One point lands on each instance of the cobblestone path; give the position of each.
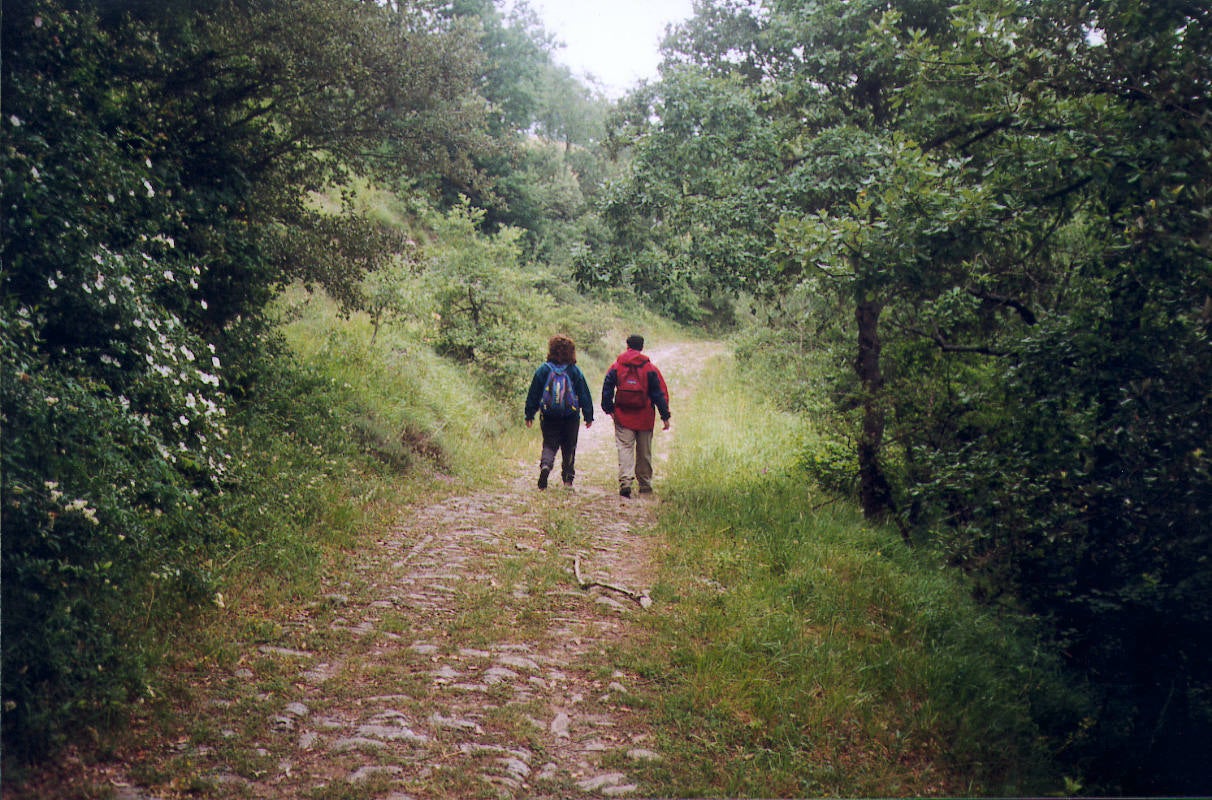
(466, 657)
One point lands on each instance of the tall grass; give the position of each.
(343, 433)
(800, 651)
(404, 404)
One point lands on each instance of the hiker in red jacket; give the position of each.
(633, 393)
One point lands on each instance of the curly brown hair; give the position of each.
(561, 350)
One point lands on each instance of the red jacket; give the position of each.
(643, 419)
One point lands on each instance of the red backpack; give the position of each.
(631, 392)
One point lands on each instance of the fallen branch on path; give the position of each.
(642, 598)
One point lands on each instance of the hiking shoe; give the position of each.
(568, 482)
(625, 491)
(645, 490)
(543, 478)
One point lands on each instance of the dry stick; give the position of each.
(643, 599)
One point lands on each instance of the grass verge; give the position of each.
(798, 651)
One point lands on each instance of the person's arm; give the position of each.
(584, 397)
(659, 394)
(608, 384)
(535, 395)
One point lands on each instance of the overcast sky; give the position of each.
(617, 41)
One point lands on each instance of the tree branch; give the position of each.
(978, 132)
(1027, 315)
(946, 347)
(642, 598)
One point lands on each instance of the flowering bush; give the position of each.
(159, 164)
(113, 412)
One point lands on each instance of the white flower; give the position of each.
(147, 185)
(51, 283)
(15, 121)
(214, 360)
(184, 420)
(168, 275)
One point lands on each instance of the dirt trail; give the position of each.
(464, 660)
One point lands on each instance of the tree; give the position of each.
(1086, 496)
(482, 301)
(158, 181)
(1010, 203)
(535, 103)
(761, 117)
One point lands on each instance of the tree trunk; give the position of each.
(875, 493)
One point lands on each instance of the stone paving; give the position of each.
(527, 717)
(462, 658)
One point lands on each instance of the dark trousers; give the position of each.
(560, 433)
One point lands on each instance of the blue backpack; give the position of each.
(559, 395)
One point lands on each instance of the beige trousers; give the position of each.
(635, 457)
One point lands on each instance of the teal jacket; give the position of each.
(535, 396)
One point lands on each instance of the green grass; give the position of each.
(799, 651)
(792, 650)
(404, 404)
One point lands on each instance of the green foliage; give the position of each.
(799, 651)
(398, 399)
(832, 466)
(113, 411)
(1012, 202)
(1084, 493)
(545, 198)
(518, 54)
(548, 124)
(481, 299)
(682, 223)
(158, 176)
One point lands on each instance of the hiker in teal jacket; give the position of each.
(560, 417)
